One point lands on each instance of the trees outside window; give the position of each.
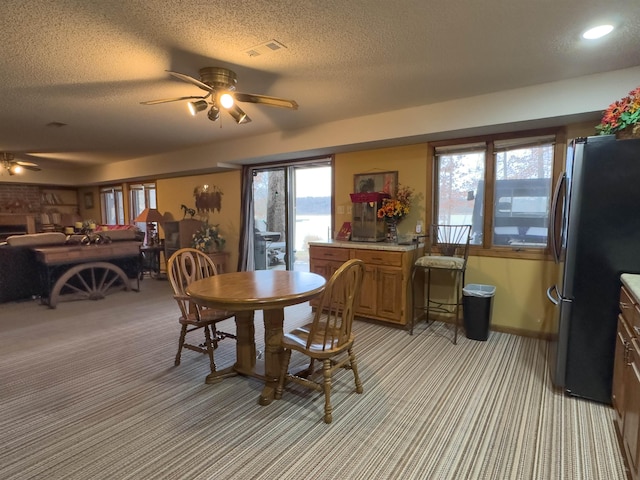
(513, 176)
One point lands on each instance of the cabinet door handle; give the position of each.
(624, 305)
(636, 330)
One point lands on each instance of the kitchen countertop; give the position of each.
(632, 282)
(368, 245)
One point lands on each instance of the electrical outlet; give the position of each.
(340, 210)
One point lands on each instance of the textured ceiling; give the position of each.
(88, 64)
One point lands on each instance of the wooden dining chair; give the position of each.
(184, 267)
(329, 337)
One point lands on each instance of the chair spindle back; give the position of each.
(333, 318)
(186, 266)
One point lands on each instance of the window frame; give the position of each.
(486, 249)
(150, 201)
(118, 200)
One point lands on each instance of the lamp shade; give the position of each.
(149, 215)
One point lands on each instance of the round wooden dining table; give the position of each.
(245, 292)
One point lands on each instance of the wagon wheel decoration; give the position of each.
(88, 281)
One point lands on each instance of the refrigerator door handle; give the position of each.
(554, 218)
(552, 295)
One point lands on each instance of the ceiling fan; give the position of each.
(220, 85)
(14, 166)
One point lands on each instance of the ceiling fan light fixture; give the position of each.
(199, 106)
(220, 85)
(226, 100)
(15, 169)
(214, 113)
(238, 115)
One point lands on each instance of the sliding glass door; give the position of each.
(292, 206)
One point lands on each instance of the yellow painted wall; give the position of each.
(409, 161)
(89, 213)
(520, 304)
(173, 192)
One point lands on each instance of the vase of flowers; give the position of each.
(622, 117)
(208, 239)
(393, 210)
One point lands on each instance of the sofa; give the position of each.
(20, 271)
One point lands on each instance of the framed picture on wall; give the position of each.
(88, 200)
(386, 182)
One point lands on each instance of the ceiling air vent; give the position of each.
(264, 48)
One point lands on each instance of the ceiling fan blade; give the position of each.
(25, 164)
(188, 79)
(29, 166)
(238, 114)
(265, 100)
(166, 100)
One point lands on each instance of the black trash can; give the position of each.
(477, 305)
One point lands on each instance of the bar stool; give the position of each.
(448, 251)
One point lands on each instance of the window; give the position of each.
(141, 197)
(111, 200)
(460, 169)
(291, 207)
(513, 175)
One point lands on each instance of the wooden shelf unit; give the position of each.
(179, 234)
(63, 199)
(58, 208)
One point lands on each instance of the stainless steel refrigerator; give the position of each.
(595, 236)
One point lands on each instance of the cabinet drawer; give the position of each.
(629, 308)
(330, 253)
(377, 257)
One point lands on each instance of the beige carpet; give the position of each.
(89, 391)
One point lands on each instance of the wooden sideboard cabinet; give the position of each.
(326, 260)
(626, 380)
(385, 295)
(179, 234)
(220, 260)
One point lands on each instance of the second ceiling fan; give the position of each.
(13, 166)
(220, 85)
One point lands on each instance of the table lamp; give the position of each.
(150, 216)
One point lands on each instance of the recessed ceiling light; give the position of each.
(597, 32)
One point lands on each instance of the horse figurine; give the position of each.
(188, 210)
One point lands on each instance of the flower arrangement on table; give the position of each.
(622, 115)
(395, 209)
(208, 239)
